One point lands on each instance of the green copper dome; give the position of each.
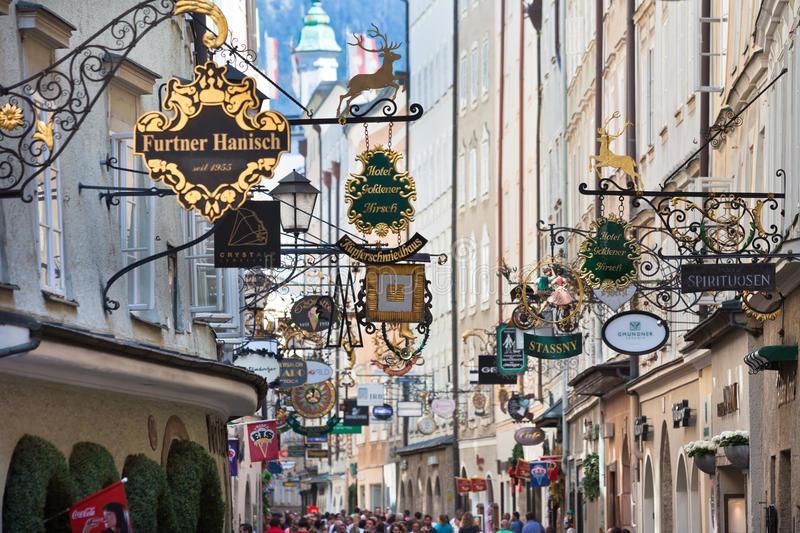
(317, 34)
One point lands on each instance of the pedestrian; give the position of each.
(531, 525)
(443, 525)
(245, 528)
(274, 525)
(516, 523)
(456, 521)
(504, 526)
(415, 527)
(397, 528)
(614, 529)
(468, 524)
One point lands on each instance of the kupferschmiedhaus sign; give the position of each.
(216, 146)
(379, 196)
(609, 258)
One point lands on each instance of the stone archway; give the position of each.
(649, 505)
(625, 497)
(665, 478)
(437, 496)
(681, 497)
(429, 498)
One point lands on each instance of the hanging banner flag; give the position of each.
(262, 438)
(249, 237)
(477, 484)
(216, 146)
(539, 474)
(523, 469)
(106, 510)
(553, 347)
(463, 485)
(233, 457)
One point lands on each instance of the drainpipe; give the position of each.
(521, 150)
(630, 111)
(453, 263)
(500, 157)
(705, 81)
(565, 199)
(597, 356)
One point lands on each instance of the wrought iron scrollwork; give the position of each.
(727, 122)
(55, 102)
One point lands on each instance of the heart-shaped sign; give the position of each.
(615, 299)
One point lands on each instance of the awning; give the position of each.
(550, 418)
(601, 379)
(769, 357)
(426, 445)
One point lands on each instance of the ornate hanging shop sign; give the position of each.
(519, 406)
(488, 373)
(313, 313)
(318, 371)
(609, 259)
(635, 332)
(379, 196)
(294, 373)
(216, 146)
(728, 277)
(530, 436)
(511, 359)
(553, 346)
(395, 293)
(314, 400)
(381, 256)
(307, 431)
(250, 237)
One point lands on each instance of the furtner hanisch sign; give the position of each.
(728, 277)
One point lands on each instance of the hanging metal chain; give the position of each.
(389, 142)
(621, 209)
(366, 136)
(602, 202)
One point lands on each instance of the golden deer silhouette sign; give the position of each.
(608, 159)
(383, 77)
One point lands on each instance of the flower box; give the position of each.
(706, 463)
(738, 455)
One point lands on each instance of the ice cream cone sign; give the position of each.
(262, 438)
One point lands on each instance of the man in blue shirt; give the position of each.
(531, 525)
(516, 523)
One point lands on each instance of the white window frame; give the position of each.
(485, 162)
(462, 82)
(474, 86)
(52, 226)
(473, 172)
(141, 281)
(485, 71)
(462, 177)
(472, 285)
(485, 267)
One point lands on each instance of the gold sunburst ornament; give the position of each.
(11, 117)
(206, 7)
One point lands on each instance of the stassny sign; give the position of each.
(553, 347)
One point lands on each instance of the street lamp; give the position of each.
(297, 197)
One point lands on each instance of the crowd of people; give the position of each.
(364, 521)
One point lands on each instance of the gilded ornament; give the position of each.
(608, 159)
(206, 7)
(44, 133)
(11, 117)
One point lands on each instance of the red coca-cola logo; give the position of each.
(83, 513)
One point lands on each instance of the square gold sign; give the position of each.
(395, 293)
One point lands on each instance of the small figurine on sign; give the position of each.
(561, 296)
(383, 77)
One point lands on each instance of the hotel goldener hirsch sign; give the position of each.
(610, 257)
(216, 145)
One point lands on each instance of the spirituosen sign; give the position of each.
(727, 277)
(610, 257)
(249, 237)
(379, 196)
(381, 256)
(216, 146)
(635, 332)
(510, 358)
(553, 347)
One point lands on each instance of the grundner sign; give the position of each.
(729, 277)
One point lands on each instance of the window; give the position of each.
(473, 272)
(462, 82)
(650, 106)
(474, 79)
(485, 162)
(49, 214)
(136, 223)
(486, 267)
(461, 184)
(485, 67)
(207, 284)
(473, 173)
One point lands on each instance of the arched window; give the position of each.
(473, 171)
(694, 501)
(485, 267)
(649, 507)
(665, 475)
(472, 289)
(485, 161)
(681, 497)
(461, 179)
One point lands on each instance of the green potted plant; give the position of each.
(704, 453)
(736, 445)
(591, 476)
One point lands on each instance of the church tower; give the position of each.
(315, 54)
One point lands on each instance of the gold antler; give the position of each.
(206, 7)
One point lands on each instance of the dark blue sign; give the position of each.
(274, 467)
(539, 477)
(233, 457)
(382, 412)
(318, 439)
